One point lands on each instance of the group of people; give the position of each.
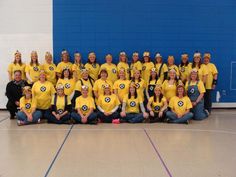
(143, 91)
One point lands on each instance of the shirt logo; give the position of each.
(94, 65)
(60, 111)
(67, 85)
(182, 69)
(107, 99)
(27, 105)
(122, 86)
(151, 88)
(180, 103)
(157, 108)
(51, 68)
(137, 85)
(132, 103)
(144, 68)
(114, 70)
(192, 90)
(84, 107)
(35, 68)
(43, 89)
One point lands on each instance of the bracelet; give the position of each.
(214, 82)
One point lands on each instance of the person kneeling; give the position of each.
(180, 106)
(130, 107)
(60, 107)
(28, 113)
(157, 104)
(107, 106)
(84, 106)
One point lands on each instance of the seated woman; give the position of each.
(28, 113)
(132, 103)
(195, 90)
(180, 106)
(157, 104)
(107, 105)
(60, 107)
(85, 107)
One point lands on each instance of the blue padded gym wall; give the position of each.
(166, 26)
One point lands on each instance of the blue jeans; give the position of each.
(52, 119)
(22, 117)
(133, 117)
(199, 112)
(107, 119)
(174, 119)
(91, 118)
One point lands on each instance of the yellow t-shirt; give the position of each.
(154, 82)
(202, 71)
(50, 70)
(108, 102)
(78, 86)
(84, 104)
(140, 87)
(212, 70)
(93, 70)
(157, 106)
(60, 103)
(175, 68)
(111, 70)
(43, 92)
(184, 72)
(163, 70)
(14, 67)
(146, 70)
(200, 86)
(180, 105)
(132, 104)
(63, 65)
(122, 87)
(125, 66)
(69, 85)
(99, 86)
(168, 90)
(135, 66)
(33, 71)
(27, 104)
(77, 69)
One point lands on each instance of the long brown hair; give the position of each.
(20, 62)
(31, 61)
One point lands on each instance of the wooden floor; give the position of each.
(200, 149)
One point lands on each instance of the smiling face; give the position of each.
(107, 91)
(184, 59)
(135, 58)
(34, 57)
(77, 58)
(109, 59)
(42, 77)
(122, 58)
(146, 59)
(158, 59)
(171, 61)
(172, 74)
(103, 75)
(48, 59)
(84, 92)
(193, 76)
(60, 92)
(206, 60)
(132, 90)
(65, 57)
(17, 76)
(157, 92)
(137, 74)
(66, 73)
(153, 74)
(18, 58)
(92, 57)
(180, 91)
(85, 75)
(197, 59)
(122, 74)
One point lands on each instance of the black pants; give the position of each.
(12, 108)
(108, 119)
(156, 118)
(207, 100)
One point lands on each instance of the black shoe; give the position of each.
(12, 117)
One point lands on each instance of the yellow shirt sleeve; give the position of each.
(188, 102)
(201, 87)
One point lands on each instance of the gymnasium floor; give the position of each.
(200, 149)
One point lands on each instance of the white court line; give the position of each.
(133, 129)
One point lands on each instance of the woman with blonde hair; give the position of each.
(28, 113)
(110, 67)
(123, 63)
(16, 65)
(50, 68)
(77, 66)
(32, 69)
(92, 66)
(147, 66)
